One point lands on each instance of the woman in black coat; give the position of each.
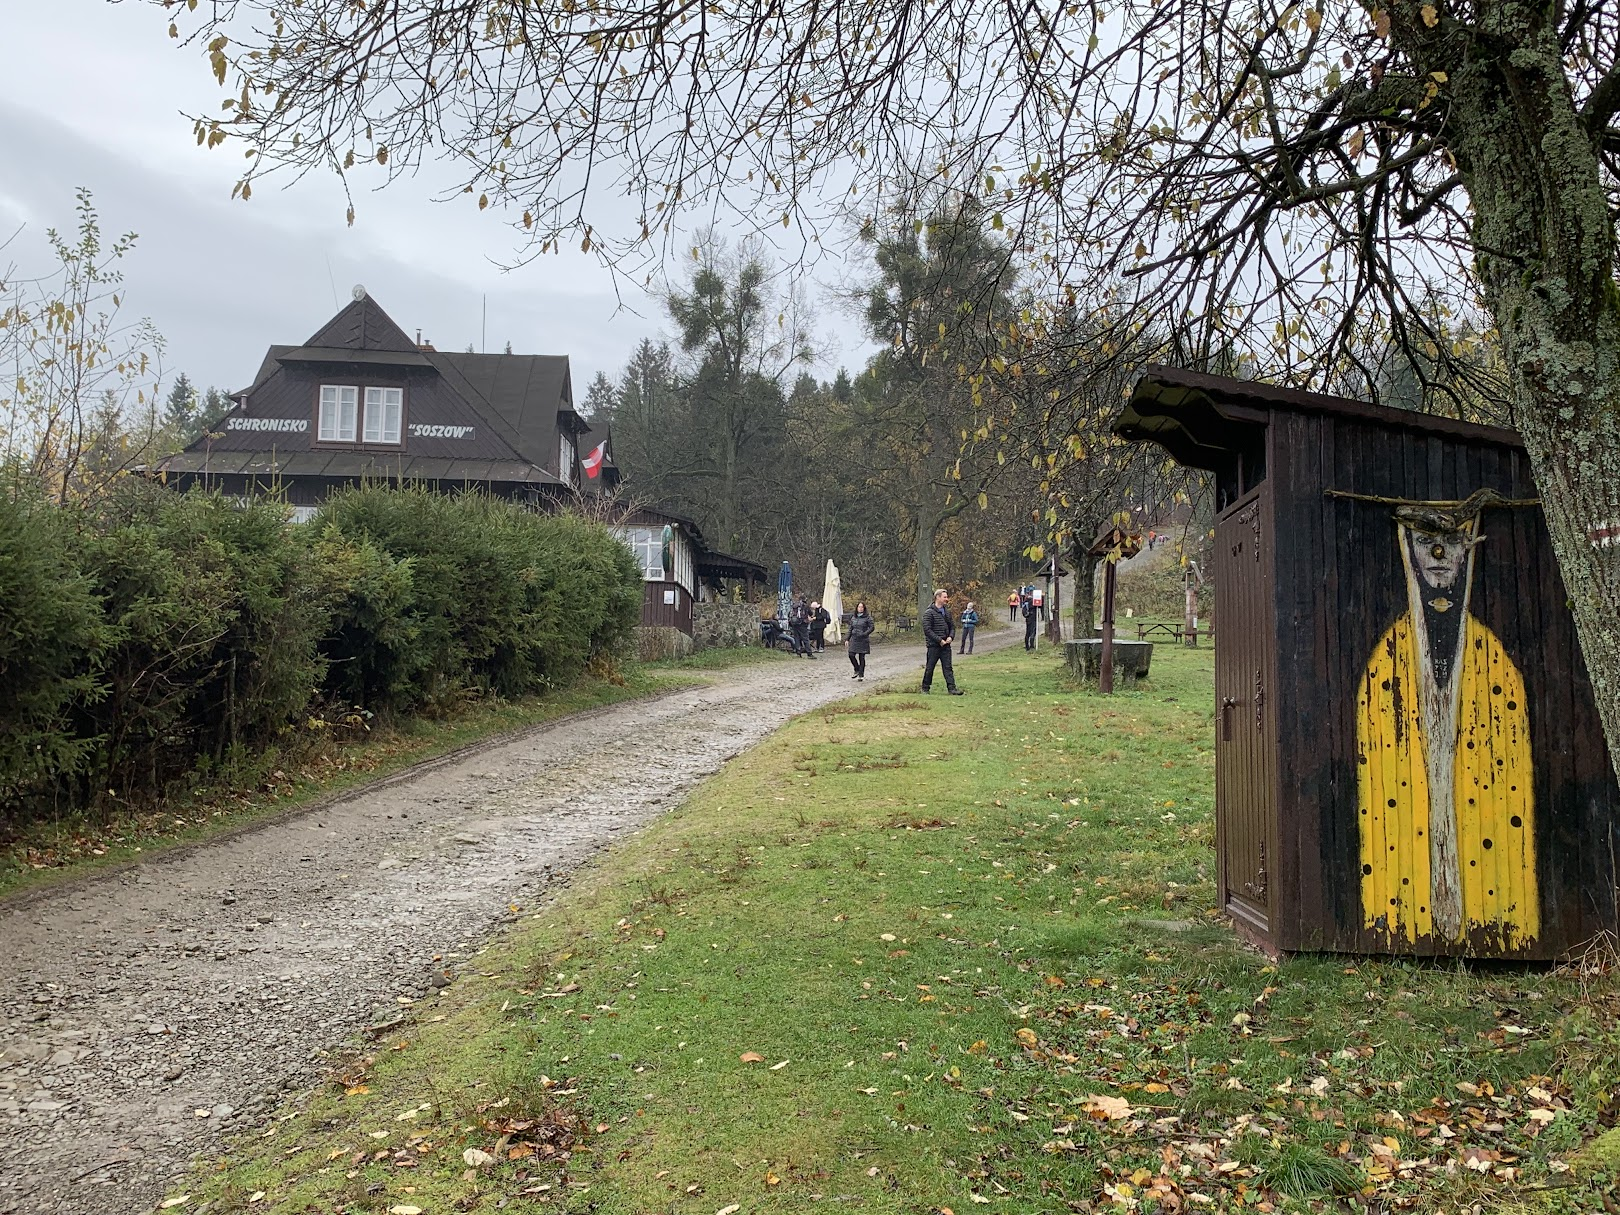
(860, 640)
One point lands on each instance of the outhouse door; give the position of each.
(1244, 815)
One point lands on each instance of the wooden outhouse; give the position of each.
(1408, 759)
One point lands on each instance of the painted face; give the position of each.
(1438, 556)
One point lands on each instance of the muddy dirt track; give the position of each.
(144, 1013)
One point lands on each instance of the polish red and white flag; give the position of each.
(593, 462)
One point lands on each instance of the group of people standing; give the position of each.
(1023, 597)
(807, 622)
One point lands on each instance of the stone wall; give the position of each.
(724, 625)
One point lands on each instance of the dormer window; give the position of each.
(343, 421)
(565, 458)
(338, 409)
(383, 407)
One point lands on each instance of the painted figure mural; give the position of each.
(1446, 808)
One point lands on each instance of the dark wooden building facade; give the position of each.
(362, 401)
(1408, 755)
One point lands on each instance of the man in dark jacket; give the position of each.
(937, 634)
(820, 618)
(1031, 615)
(799, 622)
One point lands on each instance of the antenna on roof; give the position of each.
(483, 332)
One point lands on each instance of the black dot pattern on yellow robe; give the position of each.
(1492, 794)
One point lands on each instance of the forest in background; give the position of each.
(974, 441)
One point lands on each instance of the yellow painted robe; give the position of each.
(1495, 804)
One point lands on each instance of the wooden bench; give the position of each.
(904, 624)
(1146, 631)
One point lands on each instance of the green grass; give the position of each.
(77, 844)
(720, 659)
(919, 953)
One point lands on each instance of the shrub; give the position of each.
(148, 635)
(212, 618)
(51, 636)
(441, 595)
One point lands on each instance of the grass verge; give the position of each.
(928, 954)
(76, 844)
(721, 659)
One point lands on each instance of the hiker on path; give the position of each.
(970, 624)
(860, 640)
(1031, 615)
(799, 622)
(1012, 607)
(937, 633)
(820, 618)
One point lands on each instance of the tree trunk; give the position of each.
(729, 504)
(1544, 249)
(926, 528)
(1085, 594)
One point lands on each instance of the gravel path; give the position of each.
(144, 1013)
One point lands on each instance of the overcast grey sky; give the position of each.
(93, 94)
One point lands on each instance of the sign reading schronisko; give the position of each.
(283, 425)
(419, 431)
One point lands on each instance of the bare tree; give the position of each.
(78, 390)
(1289, 177)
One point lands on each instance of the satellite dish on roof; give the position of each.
(359, 292)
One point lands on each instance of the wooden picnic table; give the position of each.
(1146, 631)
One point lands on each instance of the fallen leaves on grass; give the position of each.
(1338, 1125)
(1110, 1109)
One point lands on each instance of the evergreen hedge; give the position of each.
(150, 635)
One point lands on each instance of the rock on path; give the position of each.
(144, 1013)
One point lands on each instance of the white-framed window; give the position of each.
(383, 406)
(647, 543)
(339, 405)
(565, 458)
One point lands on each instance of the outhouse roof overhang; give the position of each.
(1202, 420)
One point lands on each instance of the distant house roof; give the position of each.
(478, 418)
(714, 564)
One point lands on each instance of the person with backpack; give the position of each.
(861, 625)
(799, 622)
(1031, 615)
(1012, 607)
(820, 618)
(970, 624)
